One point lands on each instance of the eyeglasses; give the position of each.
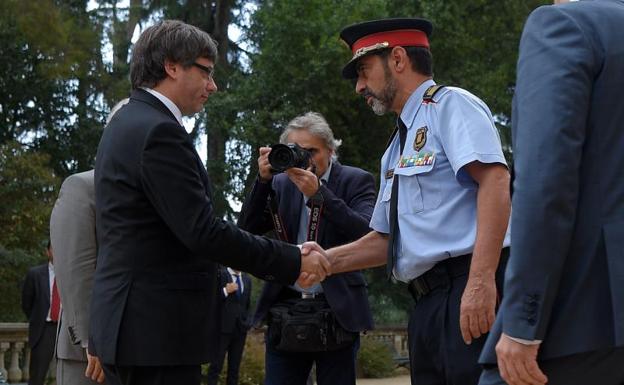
(208, 70)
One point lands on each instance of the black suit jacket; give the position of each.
(153, 299)
(564, 283)
(235, 314)
(348, 203)
(36, 301)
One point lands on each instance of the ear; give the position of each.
(172, 69)
(398, 59)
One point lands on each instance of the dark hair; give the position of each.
(421, 58)
(168, 40)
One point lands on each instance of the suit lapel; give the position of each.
(45, 282)
(332, 184)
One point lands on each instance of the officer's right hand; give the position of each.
(231, 287)
(264, 167)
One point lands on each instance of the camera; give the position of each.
(285, 156)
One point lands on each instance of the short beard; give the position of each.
(381, 104)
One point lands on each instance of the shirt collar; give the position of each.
(232, 272)
(168, 103)
(325, 176)
(408, 114)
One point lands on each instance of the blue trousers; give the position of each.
(604, 367)
(332, 367)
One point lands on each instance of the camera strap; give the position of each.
(275, 217)
(316, 209)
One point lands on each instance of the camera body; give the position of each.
(285, 156)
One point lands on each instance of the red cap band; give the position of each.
(402, 37)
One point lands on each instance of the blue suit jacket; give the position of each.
(349, 199)
(564, 282)
(235, 309)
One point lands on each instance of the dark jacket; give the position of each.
(36, 301)
(348, 202)
(153, 299)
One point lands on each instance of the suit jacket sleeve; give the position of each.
(555, 72)
(351, 216)
(255, 216)
(72, 232)
(172, 181)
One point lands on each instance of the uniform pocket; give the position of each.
(419, 189)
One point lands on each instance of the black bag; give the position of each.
(306, 325)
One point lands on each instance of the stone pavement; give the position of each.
(398, 380)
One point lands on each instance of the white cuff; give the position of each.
(524, 342)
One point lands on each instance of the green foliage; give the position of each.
(390, 301)
(13, 267)
(374, 359)
(252, 365)
(29, 188)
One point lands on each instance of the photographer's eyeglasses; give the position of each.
(208, 70)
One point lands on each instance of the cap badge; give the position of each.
(364, 50)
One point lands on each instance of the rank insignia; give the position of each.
(421, 138)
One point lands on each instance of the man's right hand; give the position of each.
(264, 167)
(231, 287)
(314, 266)
(94, 368)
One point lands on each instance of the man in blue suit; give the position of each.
(562, 316)
(235, 293)
(346, 196)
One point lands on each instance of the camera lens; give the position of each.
(281, 157)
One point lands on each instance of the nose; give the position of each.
(211, 86)
(360, 85)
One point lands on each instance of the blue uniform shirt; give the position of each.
(437, 203)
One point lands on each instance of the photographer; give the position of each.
(341, 200)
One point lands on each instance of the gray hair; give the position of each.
(316, 125)
(168, 40)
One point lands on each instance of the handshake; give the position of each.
(315, 265)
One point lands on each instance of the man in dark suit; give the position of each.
(41, 304)
(235, 292)
(561, 320)
(345, 196)
(153, 307)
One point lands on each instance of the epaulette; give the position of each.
(431, 92)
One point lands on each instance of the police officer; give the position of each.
(441, 217)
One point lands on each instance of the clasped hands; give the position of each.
(315, 265)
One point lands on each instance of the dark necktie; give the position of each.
(239, 292)
(394, 220)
